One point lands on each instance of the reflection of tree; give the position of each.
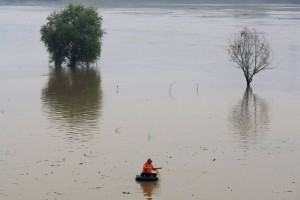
(250, 117)
(148, 188)
(73, 99)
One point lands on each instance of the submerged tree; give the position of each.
(73, 35)
(250, 50)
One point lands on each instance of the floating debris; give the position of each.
(117, 130)
(126, 192)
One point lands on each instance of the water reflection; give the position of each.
(250, 117)
(72, 100)
(149, 188)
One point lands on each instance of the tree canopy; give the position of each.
(251, 52)
(73, 36)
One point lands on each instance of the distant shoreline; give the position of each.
(148, 2)
(133, 3)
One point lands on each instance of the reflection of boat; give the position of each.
(149, 188)
(146, 178)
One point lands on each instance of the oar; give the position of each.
(157, 171)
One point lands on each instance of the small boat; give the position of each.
(146, 178)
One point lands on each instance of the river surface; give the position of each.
(164, 89)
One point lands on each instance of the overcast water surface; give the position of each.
(164, 88)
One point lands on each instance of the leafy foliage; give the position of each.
(73, 35)
(250, 50)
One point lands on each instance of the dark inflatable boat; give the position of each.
(146, 178)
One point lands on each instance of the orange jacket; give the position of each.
(148, 168)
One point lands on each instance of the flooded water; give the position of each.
(163, 88)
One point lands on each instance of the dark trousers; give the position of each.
(148, 174)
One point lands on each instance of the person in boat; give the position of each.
(148, 168)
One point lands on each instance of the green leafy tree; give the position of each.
(73, 36)
(251, 52)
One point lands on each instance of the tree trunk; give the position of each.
(72, 63)
(57, 64)
(248, 80)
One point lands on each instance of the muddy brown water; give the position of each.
(164, 89)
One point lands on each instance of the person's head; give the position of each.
(149, 161)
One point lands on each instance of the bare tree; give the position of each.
(250, 50)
